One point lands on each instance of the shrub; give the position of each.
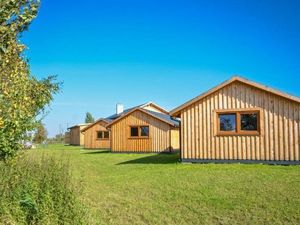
(39, 190)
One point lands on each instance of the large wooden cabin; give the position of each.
(75, 135)
(240, 121)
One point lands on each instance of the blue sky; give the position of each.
(133, 51)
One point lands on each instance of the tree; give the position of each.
(40, 134)
(23, 97)
(89, 118)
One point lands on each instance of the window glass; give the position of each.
(106, 134)
(144, 131)
(134, 131)
(99, 134)
(249, 121)
(227, 122)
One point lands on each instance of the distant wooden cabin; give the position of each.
(240, 121)
(76, 137)
(144, 129)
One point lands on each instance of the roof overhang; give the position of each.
(92, 124)
(177, 111)
(134, 110)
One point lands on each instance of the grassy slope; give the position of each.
(155, 189)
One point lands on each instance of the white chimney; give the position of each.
(119, 108)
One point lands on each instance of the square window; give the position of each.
(249, 122)
(106, 135)
(99, 134)
(227, 122)
(144, 131)
(134, 131)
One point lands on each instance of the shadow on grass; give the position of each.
(90, 152)
(162, 158)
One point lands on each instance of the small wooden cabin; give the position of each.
(144, 130)
(96, 136)
(76, 137)
(240, 121)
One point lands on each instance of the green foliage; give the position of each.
(40, 134)
(89, 118)
(22, 96)
(39, 190)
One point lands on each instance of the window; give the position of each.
(134, 131)
(144, 131)
(238, 123)
(249, 121)
(139, 132)
(227, 122)
(102, 134)
(106, 135)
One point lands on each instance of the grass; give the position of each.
(156, 189)
(39, 189)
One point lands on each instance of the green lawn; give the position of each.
(156, 189)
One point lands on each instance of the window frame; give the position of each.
(102, 135)
(139, 132)
(239, 131)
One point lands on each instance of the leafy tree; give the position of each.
(22, 96)
(89, 118)
(40, 134)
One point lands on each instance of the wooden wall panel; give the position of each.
(158, 141)
(175, 139)
(76, 137)
(279, 138)
(90, 137)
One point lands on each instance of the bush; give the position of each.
(39, 190)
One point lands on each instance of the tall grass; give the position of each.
(38, 189)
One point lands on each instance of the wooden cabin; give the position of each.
(96, 136)
(240, 121)
(144, 130)
(76, 137)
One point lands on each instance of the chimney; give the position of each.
(119, 108)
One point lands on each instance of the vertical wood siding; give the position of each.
(90, 137)
(158, 141)
(76, 137)
(280, 127)
(175, 138)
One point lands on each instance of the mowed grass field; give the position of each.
(157, 189)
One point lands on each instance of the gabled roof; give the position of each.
(116, 116)
(79, 125)
(160, 116)
(92, 124)
(176, 111)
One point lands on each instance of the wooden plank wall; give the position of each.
(158, 141)
(90, 137)
(76, 137)
(175, 138)
(280, 127)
